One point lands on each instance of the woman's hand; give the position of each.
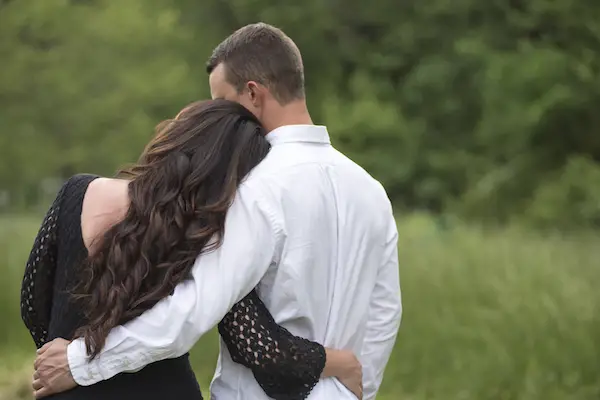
(344, 365)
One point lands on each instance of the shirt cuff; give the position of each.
(85, 372)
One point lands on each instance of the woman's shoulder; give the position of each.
(105, 204)
(71, 192)
(80, 180)
(112, 191)
(97, 186)
(74, 187)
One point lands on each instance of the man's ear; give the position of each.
(255, 92)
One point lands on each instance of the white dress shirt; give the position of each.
(316, 234)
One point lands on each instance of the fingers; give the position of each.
(43, 392)
(43, 349)
(41, 356)
(37, 363)
(37, 384)
(39, 353)
(356, 390)
(359, 391)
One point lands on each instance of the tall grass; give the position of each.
(488, 315)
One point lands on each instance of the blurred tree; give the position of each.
(85, 84)
(472, 108)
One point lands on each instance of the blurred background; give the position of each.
(479, 117)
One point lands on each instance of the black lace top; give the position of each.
(286, 366)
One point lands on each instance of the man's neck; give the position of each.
(295, 113)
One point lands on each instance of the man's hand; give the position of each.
(352, 377)
(52, 374)
(344, 365)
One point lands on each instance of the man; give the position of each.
(309, 227)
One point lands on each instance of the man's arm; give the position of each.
(220, 279)
(385, 313)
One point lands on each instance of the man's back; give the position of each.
(336, 225)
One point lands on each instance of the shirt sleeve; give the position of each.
(38, 280)
(385, 312)
(287, 367)
(220, 279)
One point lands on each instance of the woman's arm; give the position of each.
(285, 366)
(38, 280)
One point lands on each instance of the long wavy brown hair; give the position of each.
(180, 191)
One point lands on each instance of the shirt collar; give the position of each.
(299, 134)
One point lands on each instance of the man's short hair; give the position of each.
(262, 53)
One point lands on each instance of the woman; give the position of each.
(109, 249)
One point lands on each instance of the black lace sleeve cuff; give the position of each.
(287, 367)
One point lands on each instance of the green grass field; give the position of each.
(487, 315)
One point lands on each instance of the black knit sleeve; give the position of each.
(38, 280)
(287, 367)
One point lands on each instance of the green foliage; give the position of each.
(569, 200)
(469, 107)
(85, 85)
(487, 315)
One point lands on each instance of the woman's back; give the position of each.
(85, 208)
(89, 205)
